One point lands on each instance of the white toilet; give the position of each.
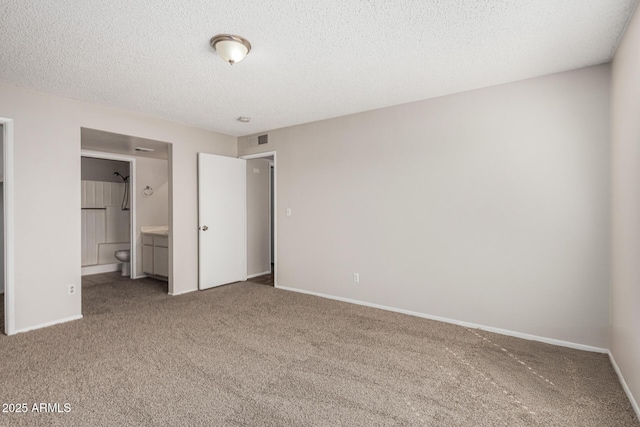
(124, 256)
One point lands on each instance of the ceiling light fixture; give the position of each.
(244, 119)
(230, 48)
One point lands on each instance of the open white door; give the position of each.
(222, 220)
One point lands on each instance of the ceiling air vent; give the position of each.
(255, 140)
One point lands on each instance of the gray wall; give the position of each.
(1, 237)
(1, 149)
(258, 216)
(625, 139)
(489, 206)
(1, 212)
(103, 169)
(47, 144)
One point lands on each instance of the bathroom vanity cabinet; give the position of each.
(155, 255)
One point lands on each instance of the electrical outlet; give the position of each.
(288, 211)
(72, 289)
(356, 277)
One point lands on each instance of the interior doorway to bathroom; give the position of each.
(107, 216)
(125, 209)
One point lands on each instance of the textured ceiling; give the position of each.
(310, 60)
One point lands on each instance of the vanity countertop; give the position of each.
(155, 230)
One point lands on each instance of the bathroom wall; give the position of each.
(154, 209)
(105, 225)
(258, 217)
(103, 169)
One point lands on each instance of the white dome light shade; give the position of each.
(230, 48)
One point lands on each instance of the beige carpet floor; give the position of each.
(248, 354)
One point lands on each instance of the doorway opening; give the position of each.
(261, 218)
(108, 214)
(125, 211)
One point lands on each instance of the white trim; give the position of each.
(88, 270)
(133, 239)
(625, 387)
(270, 171)
(259, 155)
(275, 205)
(9, 238)
(456, 322)
(251, 276)
(170, 217)
(55, 322)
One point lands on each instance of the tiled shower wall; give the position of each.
(105, 226)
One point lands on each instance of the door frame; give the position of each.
(272, 231)
(275, 208)
(132, 202)
(9, 237)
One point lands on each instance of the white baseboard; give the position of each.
(625, 387)
(251, 276)
(100, 268)
(174, 294)
(44, 325)
(456, 322)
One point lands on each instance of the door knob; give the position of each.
(205, 228)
